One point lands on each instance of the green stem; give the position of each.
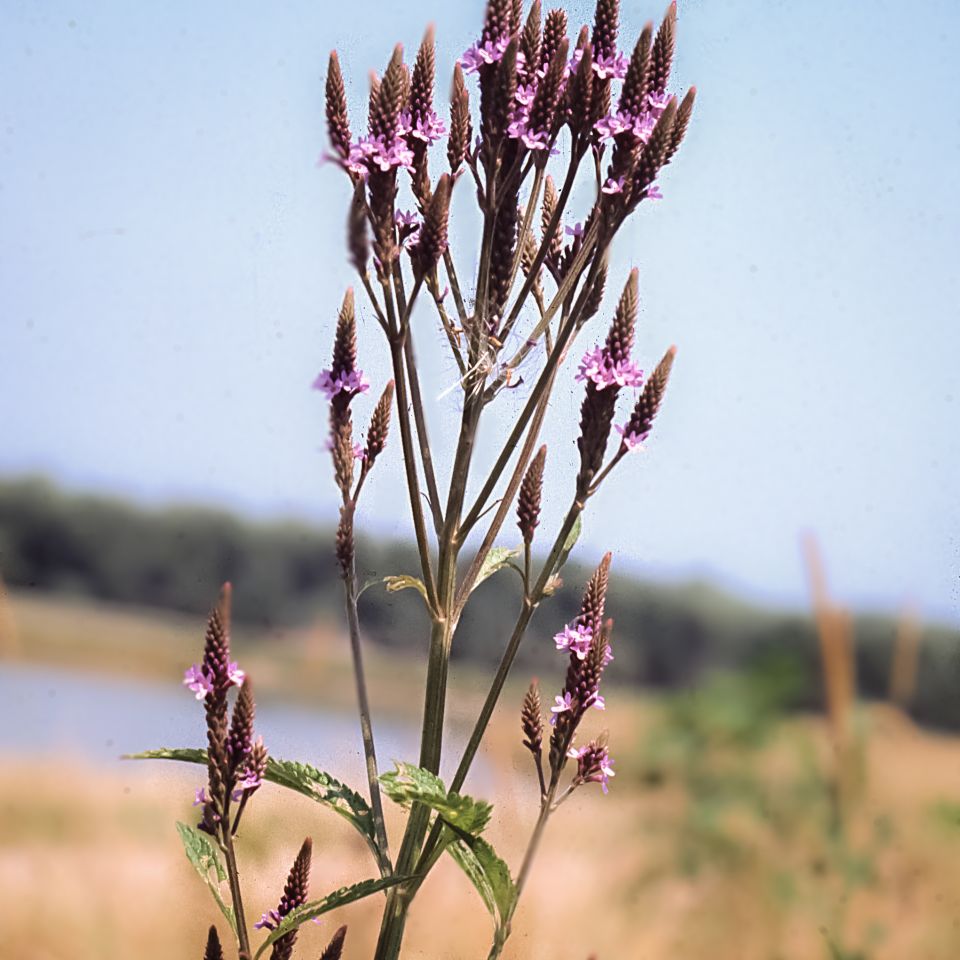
(233, 875)
(366, 726)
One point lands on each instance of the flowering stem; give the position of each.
(366, 726)
(409, 461)
(233, 875)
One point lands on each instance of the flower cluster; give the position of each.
(594, 764)
(600, 368)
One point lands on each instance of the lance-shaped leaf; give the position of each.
(496, 559)
(299, 777)
(316, 908)
(409, 784)
(489, 875)
(404, 582)
(572, 537)
(203, 855)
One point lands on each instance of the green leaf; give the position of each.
(316, 908)
(496, 559)
(409, 784)
(299, 777)
(572, 537)
(404, 582)
(489, 874)
(203, 855)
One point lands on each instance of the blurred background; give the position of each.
(785, 701)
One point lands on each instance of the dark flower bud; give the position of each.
(619, 341)
(595, 596)
(433, 234)
(652, 156)
(241, 728)
(214, 951)
(294, 895)
(338, 123)
(393, 91)
(334, 949)
(593, 302)
(636, 84)
(555, 241)
(460, 126)
(531, 41)
(531, 720)
(580, 90)
(684, 112)
(663, 47)
(606, 26)
(639, 425)
(554, 33)
(379, 426)
(543, 111)
(528, 500)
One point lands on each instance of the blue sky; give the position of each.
(171, 263)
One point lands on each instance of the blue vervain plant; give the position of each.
(610, 121)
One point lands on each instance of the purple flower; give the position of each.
(481, 54)
(520, 129)
(405, 218)
(612, 67)
(658, 101)
(235, 675)
(526, 93)
(351, 382)
(576, 640)
(594, 764)
(613, 186)
(250, 781)
(575, 231)
(613, 125)
(597, 366)
(369, 152)
(652, 193)
(269, 921)
(632, 440)
(198, 681)
(563, 704)
(358, 452)
(200, 797)
(429, 128)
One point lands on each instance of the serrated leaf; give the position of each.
(489, 875)
(496, 559)
(316, 908)
(202, 854)
(405, 582)
(572, 537)
(410, 784)
(299, 777)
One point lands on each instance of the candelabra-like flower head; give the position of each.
(294, 895)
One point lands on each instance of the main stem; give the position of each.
(366, 726)
(233, 875)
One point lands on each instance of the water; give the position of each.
(47, 711)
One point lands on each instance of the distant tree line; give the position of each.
(666, 636)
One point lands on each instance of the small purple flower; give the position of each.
(235, 675)
(597, 366)
(251, 781)
(632, 440)
(613, 67)
(200, 797)
(481, 54)
(658, 101)
(652, 193)
(198, 681)
(269, 921)
(576, 640)
(613, 125)
(526, 93)
(563, 704)
(405, 218)
(352, 382)
(575, 231)
(428, 128)
(613, 186)
(594, 764)
(520, 129)
(358, 452)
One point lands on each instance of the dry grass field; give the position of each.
(91, 866)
